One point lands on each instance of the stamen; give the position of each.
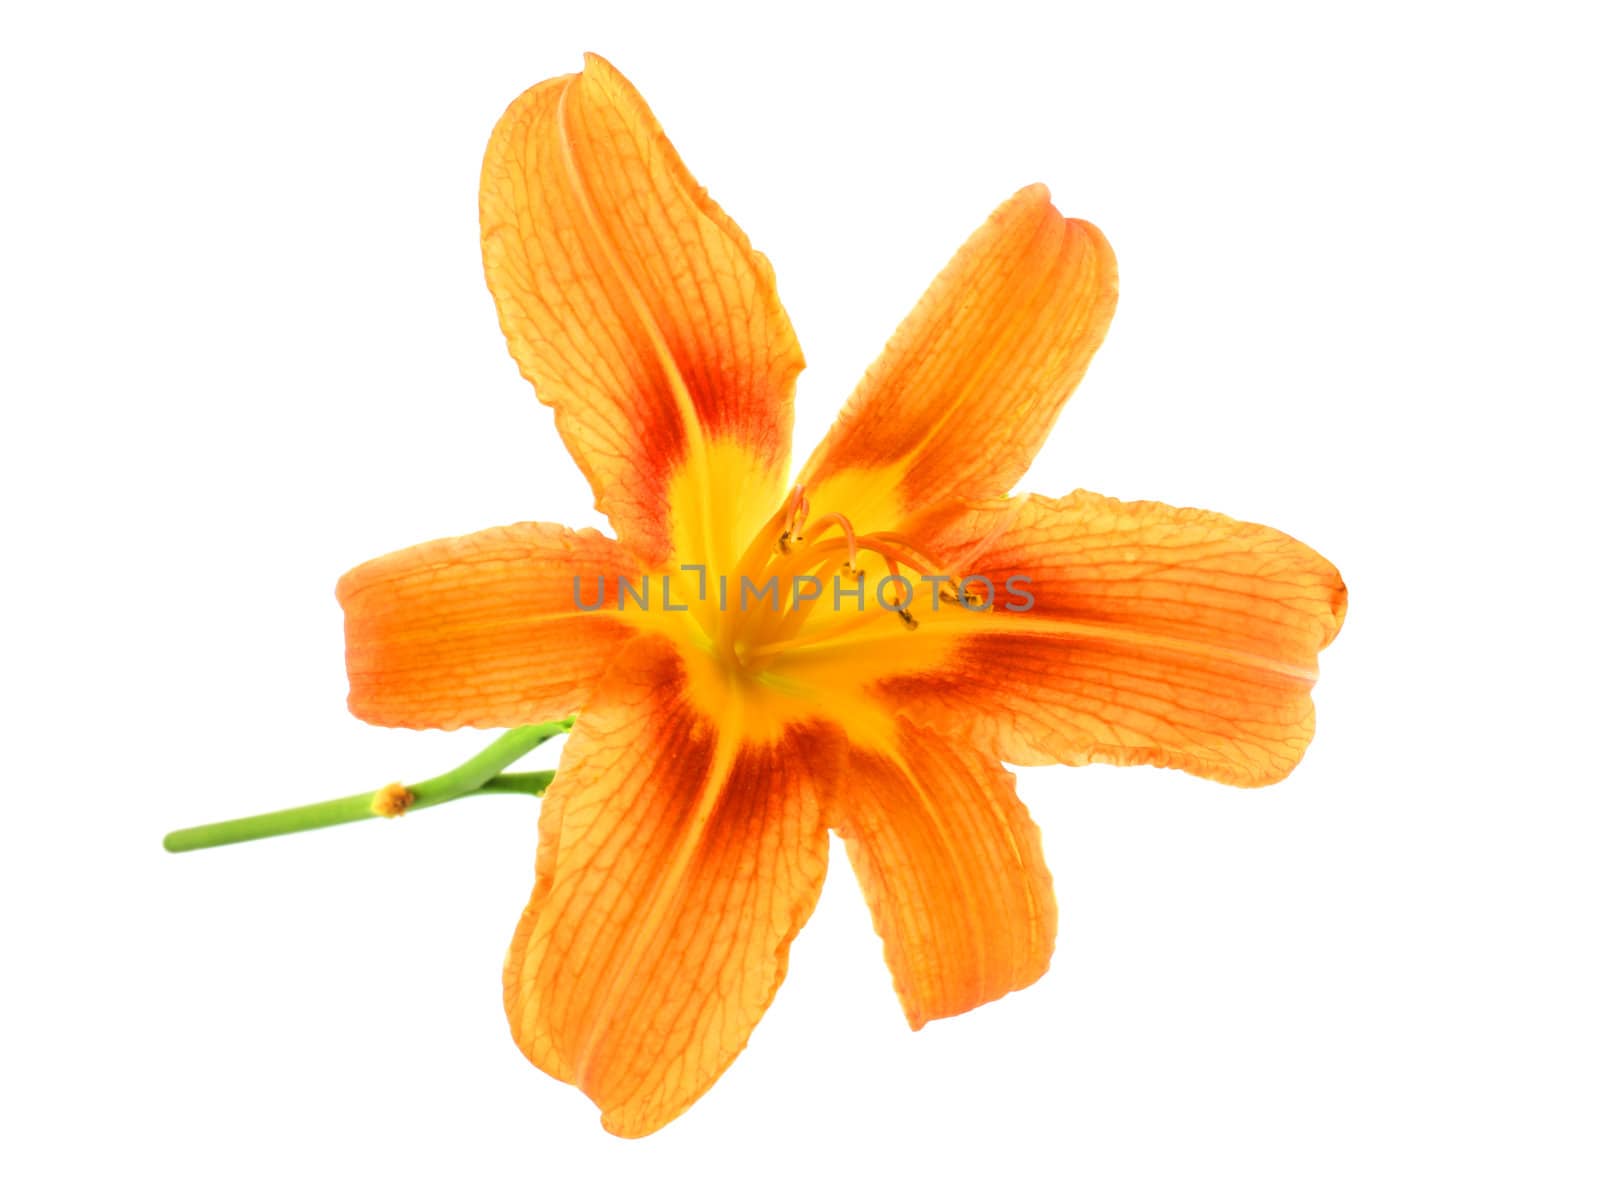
(894, 574)
(796, 497)
(913, 557)
(802, 513)
(794, 518)
(849, 536)
(783, 552)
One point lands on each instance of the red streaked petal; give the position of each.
(967, 390)
(951, 865)
(1156, 635)
(482, 630)
(676, 863)
(636, 307)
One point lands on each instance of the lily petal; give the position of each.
(483, 630)
(1156, 635)
(951, 865)
(676, 863)
(640, 312)
(969, 386)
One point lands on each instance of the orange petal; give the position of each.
(951, 865)
(483, 630)
(676, 863)
(635, 306)
(968, 388)
(1157, 635)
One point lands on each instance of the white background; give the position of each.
(247, 345)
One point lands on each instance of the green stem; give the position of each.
(532, 784)
(480, 774)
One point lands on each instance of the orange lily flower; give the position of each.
(724, 731)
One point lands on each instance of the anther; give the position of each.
(952, 596)
(905, 616)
